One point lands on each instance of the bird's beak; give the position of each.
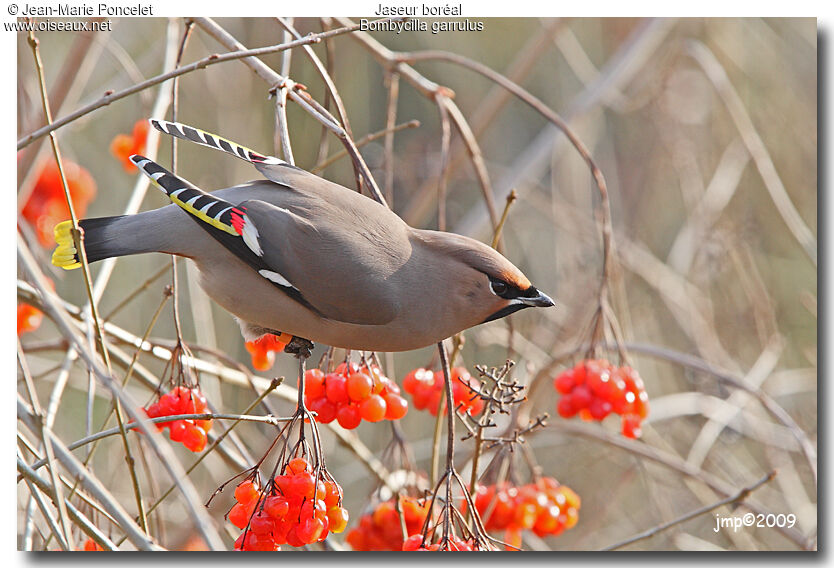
(541, 300)
(536, 299)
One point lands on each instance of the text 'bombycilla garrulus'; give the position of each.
(298, 254)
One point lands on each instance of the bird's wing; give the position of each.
(318, 267)
(224, 221)
(336, 264)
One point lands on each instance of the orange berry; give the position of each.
(195, 438)
(395, 406)
(373, 408)
(246, 492)
(338, 518)
(309, 530)
(276, 506)
(29, 318)
(359, 386)
(297, 465)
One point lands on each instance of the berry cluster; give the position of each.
(182, 400)
(286, 512)
(47, 204)
(544, 507)
(351, 394)
(381, 529)
(264, 348)
(426, 387)
(91, 546)
(455, 544)
(595, 388)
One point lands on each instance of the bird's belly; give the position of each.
(255, 300)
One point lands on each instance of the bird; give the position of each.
(299, 255)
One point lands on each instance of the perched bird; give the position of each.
(298, 254)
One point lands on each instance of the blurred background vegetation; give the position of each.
(695, 124)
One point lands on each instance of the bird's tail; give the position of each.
(65, 254)
(203, 138)
(104, 237)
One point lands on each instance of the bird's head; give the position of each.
(485, 286)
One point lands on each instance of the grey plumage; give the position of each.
(320, 261)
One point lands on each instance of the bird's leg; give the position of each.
(300, 347)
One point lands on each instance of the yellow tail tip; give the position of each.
(65, 254)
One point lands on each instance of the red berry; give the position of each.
(262, 524)
(167, 405)
(599, 408)
(92, 546)
(325, 410)
(332, 494)
(309, 529)
(566, 408)
(565, 382)
(336, 388)
(410, 381)
(153, 410)
(293, 539)
(349, 416)
(238, 516)
(434, 402)
(641, 405)
(302, 485)
(582, 397)
(200, 402)
(177, 431)
(346, 369)
(414, 542)
(185, 403)
(276, 506)
(314, 384)
(195, 438)
(631, 426)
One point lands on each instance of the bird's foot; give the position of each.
(300, 347)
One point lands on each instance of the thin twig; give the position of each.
(362, 141)
(392, 81)
(445, 139)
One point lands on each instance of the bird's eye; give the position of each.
(498, 288)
